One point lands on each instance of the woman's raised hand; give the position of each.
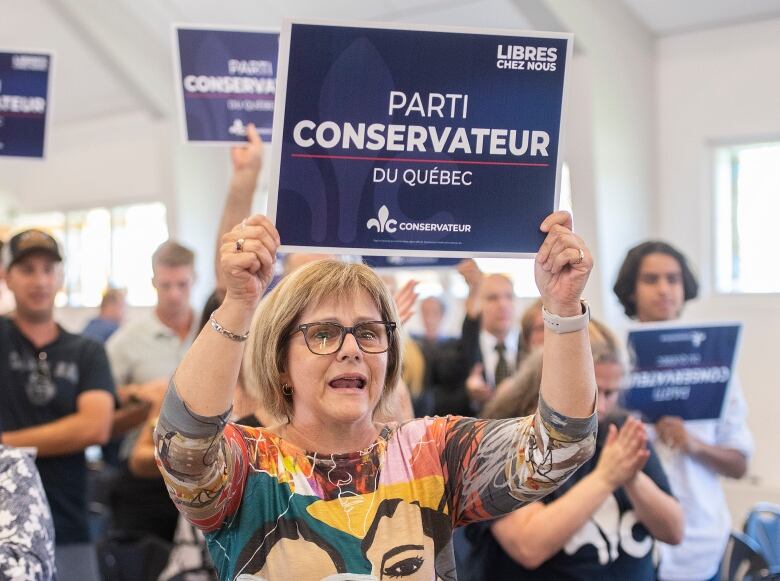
(563, 264)
(247, 257)
(405, 298)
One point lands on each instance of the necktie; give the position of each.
(502, 368)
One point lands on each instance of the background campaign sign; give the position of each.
(681, 370)
(396, 139)
(24, 102)
(409, 262)
(225, 79)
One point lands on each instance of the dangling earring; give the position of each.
(287, 389)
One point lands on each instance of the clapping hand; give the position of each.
(405, 299)
(624, 453)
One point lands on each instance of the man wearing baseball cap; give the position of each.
(56, 394)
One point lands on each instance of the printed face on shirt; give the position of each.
(277, 563)
(173, 285)
(344, 386)
(398, 547)
(34, 281)
(609, 381)
(498, 306)
(659, 294)
(400, 542)
(288, 549)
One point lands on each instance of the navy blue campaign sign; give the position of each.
(402, 140)
(681, 370)
(24, 102)
(225, 79)
(405, 262)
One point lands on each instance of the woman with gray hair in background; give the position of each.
(329, 493)
(602, 523)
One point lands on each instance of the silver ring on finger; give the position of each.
(240, 245)
(580, 258)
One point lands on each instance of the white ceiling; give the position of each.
(665, 17)
(114, 57)
(83, 82)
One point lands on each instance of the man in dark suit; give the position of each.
(487, 351)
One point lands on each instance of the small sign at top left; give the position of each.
(24, 102)
(225, 80)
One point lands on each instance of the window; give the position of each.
(747, 192)
(104, 247)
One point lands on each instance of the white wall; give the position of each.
(107, 160)
(715, 86)
(610, 135)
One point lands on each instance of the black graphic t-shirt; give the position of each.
(39, 386)
(611, 545)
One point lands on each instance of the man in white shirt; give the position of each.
(144, 354)
(653, 285)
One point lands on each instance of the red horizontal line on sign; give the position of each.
(413, 160)
(250, 96)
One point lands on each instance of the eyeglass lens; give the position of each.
(325, 338)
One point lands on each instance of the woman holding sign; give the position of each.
(328, 493)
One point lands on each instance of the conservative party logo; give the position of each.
(696, 338)
(238, 128)
(383, 222)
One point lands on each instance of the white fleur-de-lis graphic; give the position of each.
(382, 224)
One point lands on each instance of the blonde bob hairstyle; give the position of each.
(279, 313)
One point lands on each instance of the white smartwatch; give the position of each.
(558, 324)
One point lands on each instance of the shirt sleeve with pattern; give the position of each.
(420, 479)
(26, 527)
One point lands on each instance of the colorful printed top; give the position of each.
(26, 528)
(271, 510)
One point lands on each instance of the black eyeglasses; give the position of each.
(327, 338)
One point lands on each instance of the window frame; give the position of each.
(62, 234)
(724, 156)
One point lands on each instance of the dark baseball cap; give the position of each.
(30, 242)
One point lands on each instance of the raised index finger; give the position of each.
(252, 135)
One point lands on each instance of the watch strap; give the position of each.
(558, 324)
